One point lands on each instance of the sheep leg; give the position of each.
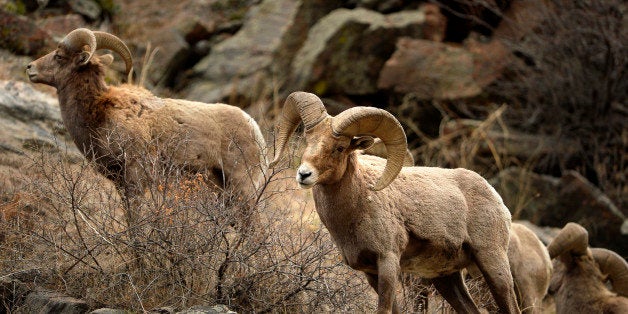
(385, 282)
(373, 281)
(453, 289)
(496, 271)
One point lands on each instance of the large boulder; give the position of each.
(430, 70)
(238, 64)
(345, 51)
(30, 120)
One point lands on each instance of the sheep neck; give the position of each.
(78, 101)
(336, 202)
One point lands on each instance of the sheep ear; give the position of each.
(361, 142)
(84, 57)
(106, 59)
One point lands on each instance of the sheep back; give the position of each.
(197, 135)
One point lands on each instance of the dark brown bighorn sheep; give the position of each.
(429, 221)
(117, 126)
(580, 273)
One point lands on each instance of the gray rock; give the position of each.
(172, 51)
(52, 302)
(232, 65)
(346, 50)
(88, 8)
(108, 311)
(216, 309)
(30, 120)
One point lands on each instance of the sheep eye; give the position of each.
(58, 58)
(340, 149)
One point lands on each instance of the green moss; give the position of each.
(15, 7)
(320, 87)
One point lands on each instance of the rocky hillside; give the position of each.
(517, 90)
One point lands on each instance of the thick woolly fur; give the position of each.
(531, 268)
(578, 286)
(432, 222)
(118, 125)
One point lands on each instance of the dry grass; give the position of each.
(184, 248)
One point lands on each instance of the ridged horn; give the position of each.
(572, 238)
(115, 44)
(79, 38)
(615, 267)
(299, 106)
(358, 121)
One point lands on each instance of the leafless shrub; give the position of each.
(186, 246)
(570, 83)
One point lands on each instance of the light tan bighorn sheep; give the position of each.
(578, 283)
(429, 221)
(116, 126)
(531, 268)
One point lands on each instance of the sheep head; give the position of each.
(73, 53)
(331, 140)
(574, 258)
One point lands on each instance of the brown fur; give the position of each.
(432, 222)
(116, 126)
(578, 286)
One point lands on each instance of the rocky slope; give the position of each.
(433, 67)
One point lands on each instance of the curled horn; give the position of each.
(615, 267)
(79, 38)
(299, 106)
(572, 238)
(380, 123)
(115, 44)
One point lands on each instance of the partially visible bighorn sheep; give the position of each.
(432, 222)
(116, 126)
(578, 282)
(531, 268)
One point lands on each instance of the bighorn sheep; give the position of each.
(116, 126)
(578, 282)
(429, 221)
(530, 265)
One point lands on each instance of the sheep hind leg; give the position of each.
(496, 271)
(453, 289)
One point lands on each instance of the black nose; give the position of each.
(304, 175)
